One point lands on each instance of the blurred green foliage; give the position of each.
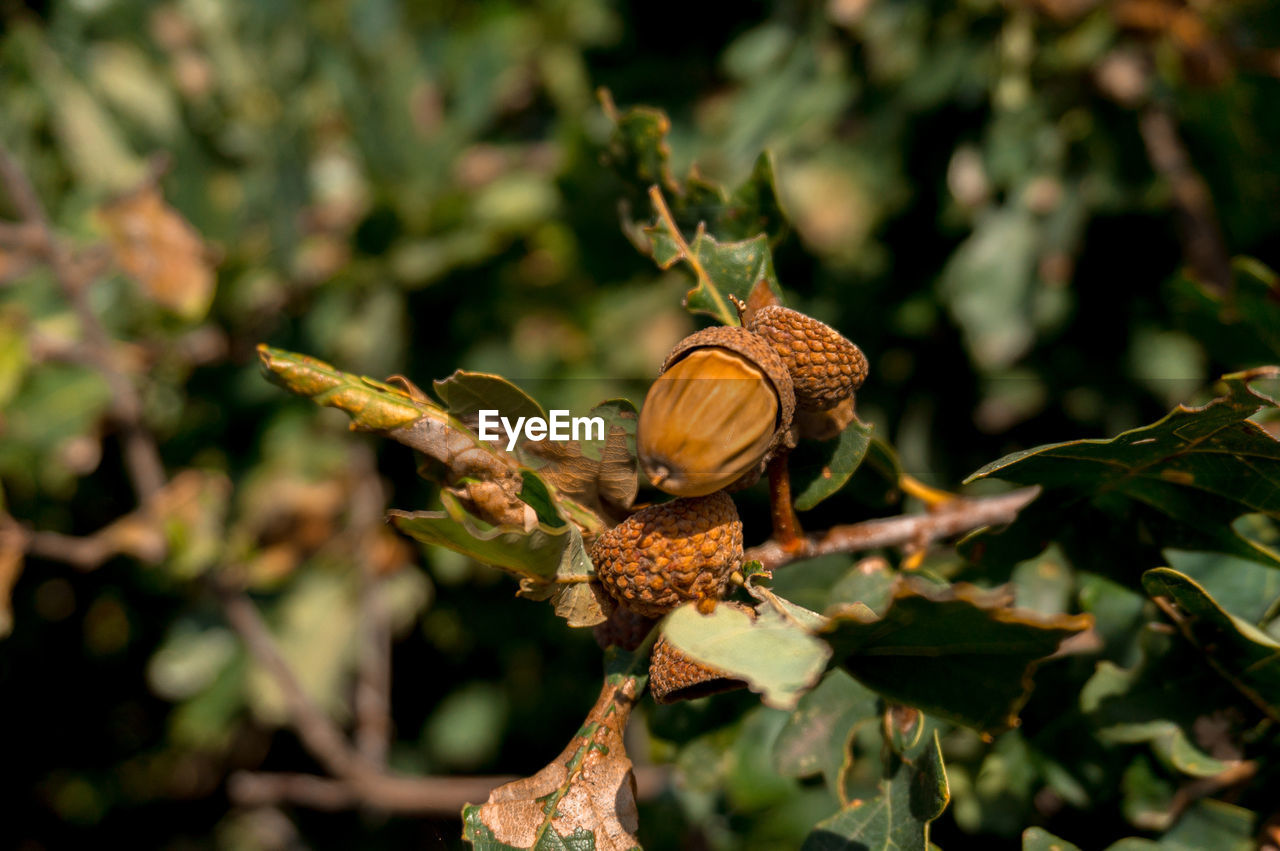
(404, 188)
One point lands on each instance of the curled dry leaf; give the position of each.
(584, 798)
(157, 247)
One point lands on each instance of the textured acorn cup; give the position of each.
(721, 404)
(668, 554)
(825, 367)
(674, 676)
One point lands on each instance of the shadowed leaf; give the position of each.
(843, 455)
(957, 652)
(1206, 824)
(817, 735)
(1239, 651)
(1190, 474)
(912, 793)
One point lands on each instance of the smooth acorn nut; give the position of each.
(668, 554)
(721, 404)
(825, 367)
(674, 676)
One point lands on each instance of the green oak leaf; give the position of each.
(775, 654)
(465, 394)
(842, 456)
(957, 652)
(1244, 588)
(1185, 477)
(1039, 839)
(1205, 824)
(537, 552)
(817, 736)
(1241, 325)
(1246, 656)
(640, 154)
(912, 793)
(1158, 702)
(535, 493)
(720, 269)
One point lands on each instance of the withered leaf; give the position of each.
(584, 798)
(158, 248)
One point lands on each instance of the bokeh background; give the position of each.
(999, 202)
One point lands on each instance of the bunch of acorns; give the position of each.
(726, 400)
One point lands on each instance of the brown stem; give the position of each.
(786, 526)
(952, 518)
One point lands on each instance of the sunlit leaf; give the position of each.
(774, 653)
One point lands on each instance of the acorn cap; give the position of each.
(667, 554)
(825, 367)
(721, 405)
(674, 676)
(624, 628)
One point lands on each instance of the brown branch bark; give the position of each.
(950, 518)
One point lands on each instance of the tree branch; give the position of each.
(442, 796)
(316, 730)
(1202, 240)
(142, 454)
(373, 664)
(950, 518)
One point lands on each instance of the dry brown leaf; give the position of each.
(588, 789)
(156, 246)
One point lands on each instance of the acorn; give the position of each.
(722, 403)
(825, 368)
(668, 554)
(674, 676)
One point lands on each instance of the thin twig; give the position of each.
(373, 666)
(664, 213)
(951, 518)
(142, 454)
(316, 730)
(438, 796)
(1202, 240)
